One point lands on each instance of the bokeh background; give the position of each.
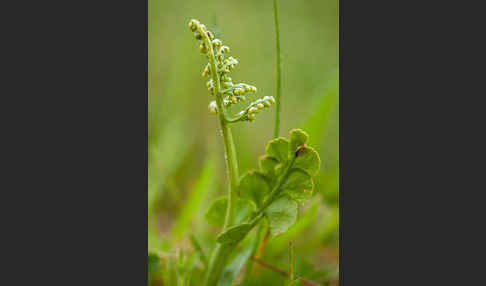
(186, 166)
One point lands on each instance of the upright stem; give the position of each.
(261, 244)
(222, 251)
(232, 169)
(277, 97)
(291, 263)
(229, 146)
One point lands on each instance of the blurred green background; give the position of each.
(186, 166)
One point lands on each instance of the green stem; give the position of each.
(291, 263)
(276, 189)
(277, 98)
(232, 167)
(277, 43)
(221, 253)
(264, 228)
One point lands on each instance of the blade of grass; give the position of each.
(169, 269)
(233, 269)
(259, 245)
(277, 48)
(199, 249)
(316, 124)
(192, 206)
(165, 155)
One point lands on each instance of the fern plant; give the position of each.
(284, 177)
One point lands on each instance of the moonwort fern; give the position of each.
(284, 178)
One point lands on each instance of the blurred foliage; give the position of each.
(186, 164)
